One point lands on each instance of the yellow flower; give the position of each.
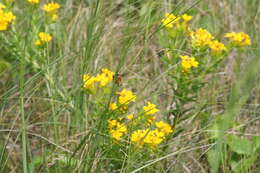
(43, 38)
(151, 119)
(88, 81)
(200, 38)
(164, 127)
(102, 79)
(217, 47)
(169, 20)
(126, 97)
(154, 138)
(188, 62)
(6, 18)
(112, 124)
(186, 17)
(130, 116)
(109, 74)
(116, 134)
(138, 136)
(150, 137)
(3, 26)
(51, 7)
(176, 25)
(150, 109)
(2, 6)
(116, 129)
(239, 39)
(112, 106)
(105, 77)
(33, 1)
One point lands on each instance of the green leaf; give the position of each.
(256, 142)
(243, 165)
(239, 145)
(4, 65)
(37, 161)
(214, 160)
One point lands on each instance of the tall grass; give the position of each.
(49, 123)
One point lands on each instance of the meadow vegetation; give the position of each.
(111, 86)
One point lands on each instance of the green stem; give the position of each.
(23, 128)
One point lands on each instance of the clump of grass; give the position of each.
(129, 86)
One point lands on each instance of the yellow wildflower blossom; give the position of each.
(116, 134)
(112, 106)
(217, 47)
(112, 124)
(126, 97)
(164, 127)
(138, 136)
(51, 7)
(116, 129)
(239, 39)
(200, 38)
(33, 1)
(188, 62)
(6, 18)
(43, 38)
(169, 20)
(179, 23)
(109, 74)
(150, 137)
(88, 81)
(151, 119)
(154, 138)
(186, 17)
(130, 116)
(105, 77)
(150, 109)
(2, 6)
(102, 79)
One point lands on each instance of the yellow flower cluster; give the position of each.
(172, 21)
(125, 97)
(130, 116)
(88, 81)
(141, 137)
(52, 9)
(103, 79)
(116, 129)
(201, 38)
(6, 18)
(151, 137)
(188, 62)
(239, 39)
(113, 106)
(149, 111)
(43, 38)
(164, 127)
(128, 124)
(33, 1)
(217, 47)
